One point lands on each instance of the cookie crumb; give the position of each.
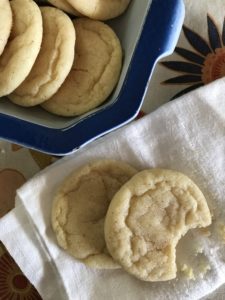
(188, 272)
(221, 232)
(203, 269)
(205, 232)
(198, 250)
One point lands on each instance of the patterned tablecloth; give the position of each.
(17, 165)
(198, 60)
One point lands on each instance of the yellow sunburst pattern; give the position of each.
(204, 64)
(13, 284)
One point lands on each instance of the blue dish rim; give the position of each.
(162, 32)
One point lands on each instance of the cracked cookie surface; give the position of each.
(80, 206)
(23, 45)
(95, 72)
(100, 9)
(5, 23)
(147, 217)
(54, 60)
(64, 5)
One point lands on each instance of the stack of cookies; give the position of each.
(108, 215)
(68, 66)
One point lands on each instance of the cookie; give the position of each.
(64, 5)
(5, 23)
(80, 206)
(53, 63)
(23, 45)
(95, 71)
(147, 217)
(100, 9)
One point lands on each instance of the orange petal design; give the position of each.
(214, 66)
(15, 147)
(41, 159)
(13, 284)
(140, 114)
(10, 181)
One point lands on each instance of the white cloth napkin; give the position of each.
(187, 135)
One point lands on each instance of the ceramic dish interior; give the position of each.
(148, 30)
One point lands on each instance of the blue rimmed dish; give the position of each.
(148, 31)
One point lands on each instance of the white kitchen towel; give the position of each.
(187, 135)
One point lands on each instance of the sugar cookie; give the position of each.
(53, 63)
(147, 217)
(80, 206)
(64, 5)
(5, 23)
(95, 71)
(100, 9)
(23, 45)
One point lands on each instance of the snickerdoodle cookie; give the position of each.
(100, 9)
(80, 206)
(23, 45)
(53, 63)
(5, 23)
(64, 5)
(147, 217)
(95, 71)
